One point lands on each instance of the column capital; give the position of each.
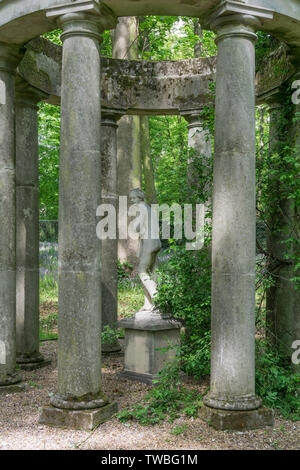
(27, 95)
(10, 56)
(83, 18)
(193, 117)
(110, 116)
(234, 18)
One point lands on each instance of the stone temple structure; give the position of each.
(94, 93)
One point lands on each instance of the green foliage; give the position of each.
(106, 44)
(167, 400)
(47, 325)
(49, 231)
(109, 335)
(264, 45)
(49, 146)
(276, 381)
(130, 297)
(180, 429)
(169, 139)
(54, 36)
(184, 290)
(124, 270)
(172, 38)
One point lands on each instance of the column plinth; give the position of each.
(232, 386)
(10, 56)
(27, 227)
(109, 261)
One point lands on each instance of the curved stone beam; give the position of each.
(274, 71)
(286, 22)
(23, 20)
(142, 87)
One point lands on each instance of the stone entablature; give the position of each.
(23, 20)
(147, 87)
(142, 87)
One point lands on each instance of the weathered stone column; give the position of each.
(9, 59)
(296, 309)
(281, 220)
(109, 260)
(27, 227)
(234, 217)
(200, 152)
(79, 324)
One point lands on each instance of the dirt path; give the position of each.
(19, 428)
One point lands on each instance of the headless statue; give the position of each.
(149, 246)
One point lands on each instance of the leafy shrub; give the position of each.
(109, 335)
(124, 270)
(168, 399)
(276, 381)
(184, 290)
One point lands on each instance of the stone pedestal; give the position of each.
(227, 420)
(80, 419)
(146, 333)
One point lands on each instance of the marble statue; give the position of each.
(149, 246)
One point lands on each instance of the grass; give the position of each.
(130, 298)
(48, 291)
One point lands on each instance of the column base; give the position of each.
(11, 384)
(7, 389)
(239, 403)
(111, 348)
(32, 362)
(85, 420)
(228, 420)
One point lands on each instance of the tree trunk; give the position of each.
(125, 46)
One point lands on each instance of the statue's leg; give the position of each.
(149, 285)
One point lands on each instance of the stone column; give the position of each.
(200, 153)
(109, 261)
(281, 219)
(79, 324)
(232, 390)
(27, 227)
(9, 59)
(296, 144)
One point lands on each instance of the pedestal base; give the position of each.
(146, 333)
(85, 420)
(223, 420)
(111, 348)
(6, 389)
(144, 378)
(34, 365)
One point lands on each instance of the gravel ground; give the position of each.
(19, 428)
